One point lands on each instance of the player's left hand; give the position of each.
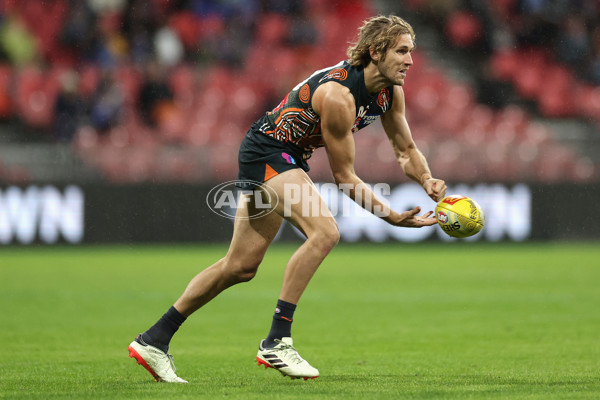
(435, 188)
(411, 219)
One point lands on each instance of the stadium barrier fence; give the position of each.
(177, 213)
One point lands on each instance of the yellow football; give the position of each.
(459, 216)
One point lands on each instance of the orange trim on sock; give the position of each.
(287, 319)
(270, 172)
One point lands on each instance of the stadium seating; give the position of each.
(197, 133)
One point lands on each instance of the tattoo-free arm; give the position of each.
(335, 105)
(409, 157)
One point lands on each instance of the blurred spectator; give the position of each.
(69, 109)
(107, 104)
(167, 47)
(17, 42)
(465, 29)
(594, 64)
(79, 29)
(141, 16)
(302, 32)
(535, 30)
(490, 91)
(112, 47)
(558, 31)
(573, 42)
(217, 56)
(290, 7)
(106, 6)
(228, 8)
(141, 48)
(154, 94)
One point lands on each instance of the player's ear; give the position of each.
(374, 54)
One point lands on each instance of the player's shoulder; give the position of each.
(333, 96)
(343, 73)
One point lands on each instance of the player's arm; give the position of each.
(335, 105)
(409, 157)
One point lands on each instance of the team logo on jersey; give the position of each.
(304, 93)
(338, 73)
(362, 111)
(383, 99)
(288, 158)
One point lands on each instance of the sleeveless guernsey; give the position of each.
(285, 138)
(294, 121)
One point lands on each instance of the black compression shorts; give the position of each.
(262, 157)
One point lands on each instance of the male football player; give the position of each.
(325, 110)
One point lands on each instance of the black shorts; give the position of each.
(262, 157)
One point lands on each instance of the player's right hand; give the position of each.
(435, 188)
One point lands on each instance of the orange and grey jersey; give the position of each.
(295, 122)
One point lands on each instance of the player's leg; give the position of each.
(301, 204)
(251, 238)
(305, 209)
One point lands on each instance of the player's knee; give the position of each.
(327, 237)
(242, 270)
(334, 236)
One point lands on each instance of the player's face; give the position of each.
(398, 60)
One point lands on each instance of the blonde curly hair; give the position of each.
(379, 33)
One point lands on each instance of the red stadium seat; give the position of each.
(52, 13)
(505, 64)
(129, 80)
(89, 77)
(188, 28)
(529, 80)
(556, 97)
(35, 97)
(220, 162)
(556, 102)
(172, 122)
(463, 29)
(6, 101)
(587, 100)
(555, 163)
(140, 164)
(214, 106)
(504, 7)
(272, 29)
(210, 26)
(182, 81)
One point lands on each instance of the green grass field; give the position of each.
(428, 321)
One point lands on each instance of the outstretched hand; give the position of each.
(410, 219)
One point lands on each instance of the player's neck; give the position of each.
(374, 80)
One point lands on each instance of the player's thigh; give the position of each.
(253, 231)
(300, 203)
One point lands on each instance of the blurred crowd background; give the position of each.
(164, 90)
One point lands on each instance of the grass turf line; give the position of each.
(420, 321)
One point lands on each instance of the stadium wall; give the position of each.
(173, 213)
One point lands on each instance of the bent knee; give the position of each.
(327, 238)
(242, 270)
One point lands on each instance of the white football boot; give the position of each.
(157, 362)
(284, 358)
